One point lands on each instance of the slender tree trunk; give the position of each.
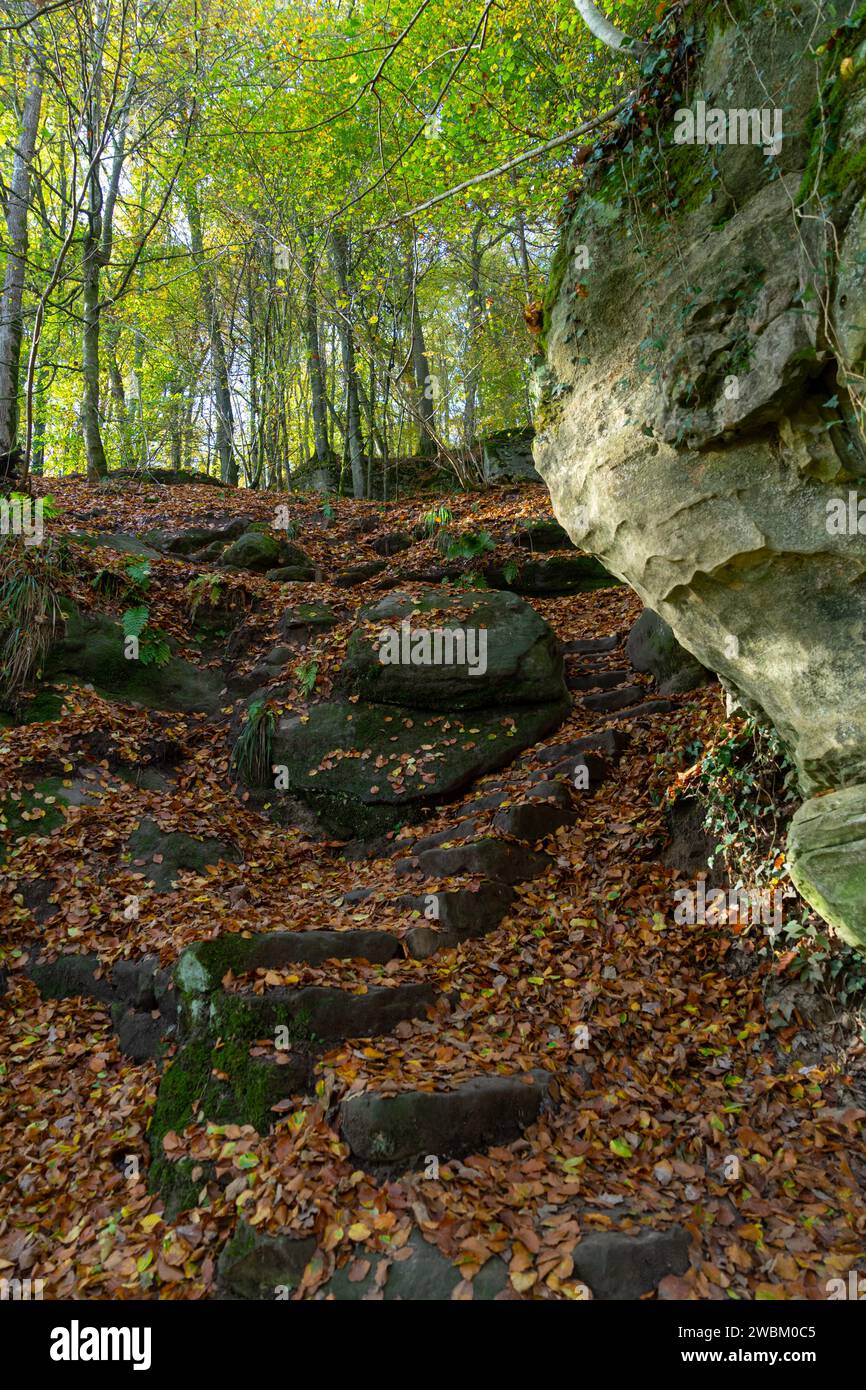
(314, 364)
(420, 368)
(339, 249)
(97, 464)
(219, 361)
(472, 360)
(37, 465)
(11, 318)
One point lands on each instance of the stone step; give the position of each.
(318, 1013)
(611, 742)
(535, 819)
(584, 772)
(409, 1126)
(585, 645)
(455, 915)
(596, 680)
(255, 1264)
(648, 707)
(202, 966)
(614, 699)
(497, 859)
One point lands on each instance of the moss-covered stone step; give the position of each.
(222, 1083)
(407, 1127)
(160, 855)
(318, 1013)
(38, 810)
(499, 860)
(255, 1264)
(202, 967)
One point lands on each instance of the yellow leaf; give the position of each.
(359, 1231)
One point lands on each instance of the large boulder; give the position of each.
(91, 650)
(827, 859)
(259, 551)
(185, 540)
(652, 647)
(510, 654)
(507, 457)
(364, 768)
(699, 404)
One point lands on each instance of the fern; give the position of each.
(468, 546)
(306, 674)
(138, 574)
(204, 588)
(153, 648)
(134, 621)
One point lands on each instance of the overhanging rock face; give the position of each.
(701, 410)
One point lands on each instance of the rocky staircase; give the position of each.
(249, 1029)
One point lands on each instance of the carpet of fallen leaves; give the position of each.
(680, 1074)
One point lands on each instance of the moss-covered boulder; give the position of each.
(92, 650)
(554, 576)
(187, 540)
(447, 651)
(827, 858)
(161, 855)
(259, 551)
(364, 768)
(120, 541)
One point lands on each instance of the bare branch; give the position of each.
(606, 32)
(534, 153)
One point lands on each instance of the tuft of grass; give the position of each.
(29, 614)
(436, 517)
(251, 755)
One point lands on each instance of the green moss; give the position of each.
(837, 172)
(556, 275)
(35, 812)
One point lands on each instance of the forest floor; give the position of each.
(687, 1063)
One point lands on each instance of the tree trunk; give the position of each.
(11, 318)
(219, 362)
(472, 361)
(420, 368)
(97, 464)
(339, 251)
(314, 364)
